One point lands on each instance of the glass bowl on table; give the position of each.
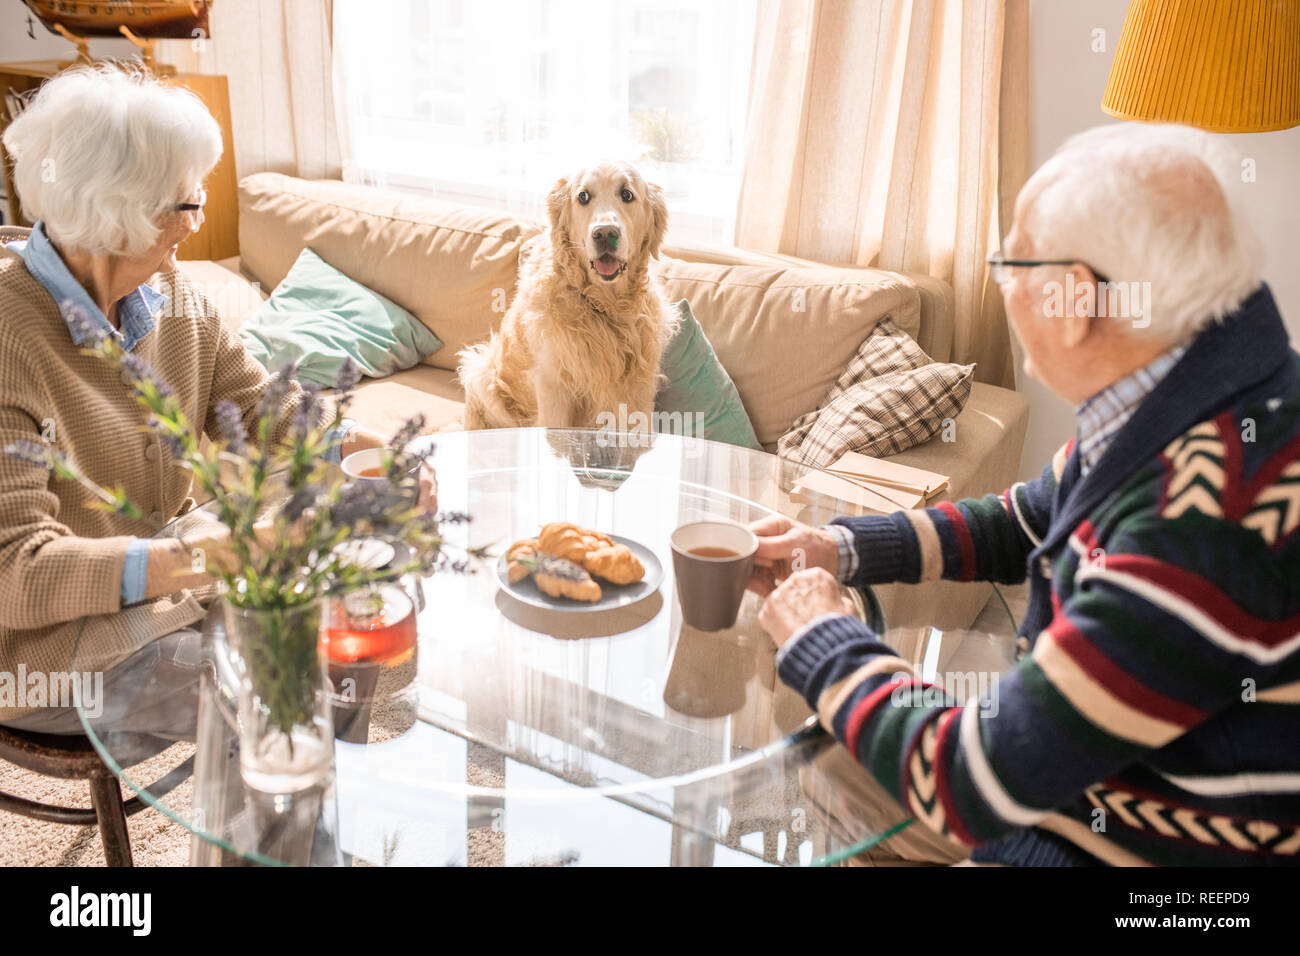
(370, 639)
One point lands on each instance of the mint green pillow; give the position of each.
(699, 386)
(318, 317)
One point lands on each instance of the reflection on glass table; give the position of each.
(511, 734)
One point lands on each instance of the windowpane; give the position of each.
(490, 102)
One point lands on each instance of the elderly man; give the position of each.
(1153, 714)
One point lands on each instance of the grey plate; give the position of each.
(611, 595)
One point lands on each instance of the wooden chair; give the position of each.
(73, 757)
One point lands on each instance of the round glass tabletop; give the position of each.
(514, 734)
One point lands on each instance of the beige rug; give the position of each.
(156, 840)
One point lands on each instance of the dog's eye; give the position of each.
(584, 197)
(626, 195)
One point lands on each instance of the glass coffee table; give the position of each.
(517, 735)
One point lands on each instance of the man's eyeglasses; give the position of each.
(999, 266)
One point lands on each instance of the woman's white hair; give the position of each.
(1153, 203)
(101, 153)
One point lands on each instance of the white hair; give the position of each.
(1153, 203)
(101, 153)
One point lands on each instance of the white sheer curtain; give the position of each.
(892, 133)
(489, 102)
(276, 56)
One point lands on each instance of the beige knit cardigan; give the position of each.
(61, 561)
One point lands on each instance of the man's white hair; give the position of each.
(101, 153)
(1150, 203)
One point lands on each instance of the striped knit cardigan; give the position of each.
(1156, 715)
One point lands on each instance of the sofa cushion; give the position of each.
(698, 385)
(889, 398)
(385, 404)
(786, 333)
(318, 318)
(936, 296)
(233, 296)
(453, 267)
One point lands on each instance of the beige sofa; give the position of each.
(783, 328)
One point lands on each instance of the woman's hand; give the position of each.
(428, 499)
(803, 596)
(215, 549)
(785, 547)
(361, 438)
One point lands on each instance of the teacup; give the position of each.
(712, 561)
(370, 464)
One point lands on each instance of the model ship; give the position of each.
(152, 19)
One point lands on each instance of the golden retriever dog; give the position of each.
(579, 346)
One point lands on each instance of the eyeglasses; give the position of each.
(998, 266)
(195, 207)
(192, 206)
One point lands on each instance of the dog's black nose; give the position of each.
(606, 236)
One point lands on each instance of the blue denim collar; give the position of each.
(136, 310)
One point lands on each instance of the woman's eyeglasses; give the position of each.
(192, 206)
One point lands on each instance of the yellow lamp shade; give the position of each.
(1230, 66)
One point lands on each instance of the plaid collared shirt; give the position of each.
(1102, 416)
(848, 553)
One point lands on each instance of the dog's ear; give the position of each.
(563, 253)
(557, 205)
(658, 218)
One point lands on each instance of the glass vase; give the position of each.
(286, 737)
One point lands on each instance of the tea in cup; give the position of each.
(712, 561)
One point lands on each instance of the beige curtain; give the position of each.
(276, 55)
(886, 133)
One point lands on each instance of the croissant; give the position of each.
(563, 539)
(593, 551)
(520, 552)
(554, 576)
(560, 578)
(616, 564)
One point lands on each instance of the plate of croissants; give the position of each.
(571, 568)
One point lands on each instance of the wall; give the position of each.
(15, 44)
(1066, 82)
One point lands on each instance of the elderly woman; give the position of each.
(1152, 715)
(111, 166)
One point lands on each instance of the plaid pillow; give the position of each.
(889, 398)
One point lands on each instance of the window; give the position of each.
(490, 102)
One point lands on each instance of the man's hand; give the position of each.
(803, 596)
(786, 546)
